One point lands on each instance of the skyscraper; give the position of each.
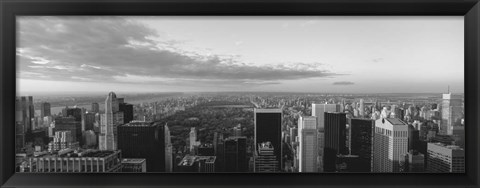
(236, 154)
(361, 141)
(110, 120)
(308, 148)
(451, 113)
(168, 151)
(265, 159)
(127, 110)
(24, 112)
(45, 109)
(318, 111)
(144, 140)
(95, 107)
(335, 139)
(193, 139)
(268, 128)
(390, 143)
(445, 158)
(362, 108)
(69, 124)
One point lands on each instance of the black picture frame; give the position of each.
(470, 9)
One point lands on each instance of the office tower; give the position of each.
(348, 163)
(134, 165)
(88, 120)
(413, 138)
(265, 158)
(62, 140)
(451, 113)
(219, 152)
(127, 110)
(69, 124)
(237, 130)
(445, 158)
(90, 138)
(24, 112)
(390, 143)
(413, 161)
(268, 128)
(109, 122)
(458, 134)
(361, 142)
(235, 154)
(193, 139)
(139, 139)
(168, 151)
(206, 150)
(95, 107)
(74, 112)
(192, 163)
(294, 133)
(362, 108)
(335, 139)
(69, 161)
(308, 148)
(318, 111)
(45, 109)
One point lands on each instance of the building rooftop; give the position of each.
(395, 121)
(452, 147)
(75, 154)
(270, 110)
(139, 124)
(133, 161)
(189, 160)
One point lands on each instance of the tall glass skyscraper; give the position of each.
(390, 144)
(110, 120)
(308, 145)
(361, 141)
(335, 139)
(268, 128)
(318, 111)
(143, 140)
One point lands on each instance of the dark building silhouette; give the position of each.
(74, 112)
(335, 139)
(143, 140)
(235, 149)
(45, 109)
(268, 128)
(361, 143)
(69, 124)
(127, 110)
(24, 112)
(206, 150)
(413, 138)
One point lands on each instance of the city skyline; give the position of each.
(257, 54)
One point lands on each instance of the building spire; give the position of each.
(448, 89)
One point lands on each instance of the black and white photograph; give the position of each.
(240, 94)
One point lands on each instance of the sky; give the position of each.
(327, 54)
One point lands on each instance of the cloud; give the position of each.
(343, 83)
(119, 50)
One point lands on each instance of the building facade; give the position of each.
(443, 158)
(143, 140)
(390, 144)
(361, 141)
(308, 145)
(335, 139)
(268, 128)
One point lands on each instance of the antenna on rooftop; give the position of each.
(448, 89)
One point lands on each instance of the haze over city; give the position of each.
(260, 54)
